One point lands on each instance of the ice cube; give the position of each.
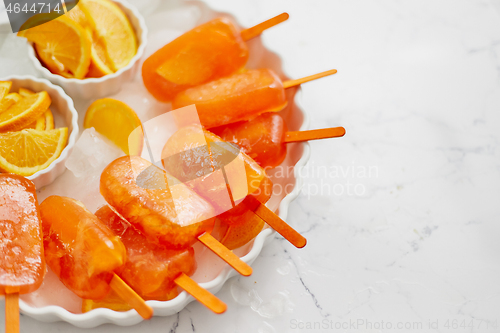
(14, 56)
(91, 154)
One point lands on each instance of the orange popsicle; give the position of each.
(208, 52)
(265, 137)
(238, 97)
(181, 158)
(149, 269)
(155, 203)
(262, 138)
(22, 265)
(209, 166)
(241, 96)
(79, 249)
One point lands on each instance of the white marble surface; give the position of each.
(402, 226)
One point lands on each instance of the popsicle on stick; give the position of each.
(165, 210)
(153, 271)
(183, 160)
(265, 137)
(84, 253)
(208, 52)
(238, 97)
(22, 264)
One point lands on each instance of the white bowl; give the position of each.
(53, 302)
(93, 88)
(65, 115)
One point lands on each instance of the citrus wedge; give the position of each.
(116, 121)
(25, 92)
(29, 151)
(43, 123)
(114, 29)
(24, 112)
(49, 120)
(39, 124)
(8, 101)
(80, 15)
(99, 62)
(4, 88)
(61, 44)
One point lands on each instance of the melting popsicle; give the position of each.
(264, 138)
(162, 208)
(22, 264)
(241, 96)
(214, 169)
(208, 52)
(188, 160)
(84, 253)
(151, 270)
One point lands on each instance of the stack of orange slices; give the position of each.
(93, 39)
(28, 140)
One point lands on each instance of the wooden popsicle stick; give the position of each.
(256, 30)
(276, 223)
(324, 133)
(293, 83)
(12, 313)
(203, 296)
(225, 254)
(130, 297)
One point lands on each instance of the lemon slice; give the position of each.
(24, 112)
(29, 151)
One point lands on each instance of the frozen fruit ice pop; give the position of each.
(22, 264)
(157, 204)
(241, 96)
(204, 162)
(208, 52)
(79, 248)
(149, 269)
(263, 138)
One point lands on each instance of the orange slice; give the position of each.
(114, 29)
(39, 124)
(29, 151)
(5, 88)
(49, 120)
(46, 121)
(43, 123)
(24, 112)
(116, 121)
(61, 44)
(80, 15)
(25, 92)
(99, 64)
(8, 101)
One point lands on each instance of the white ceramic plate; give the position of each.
(53, 302)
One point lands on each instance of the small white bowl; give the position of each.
(93, 88)
(65, 115)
